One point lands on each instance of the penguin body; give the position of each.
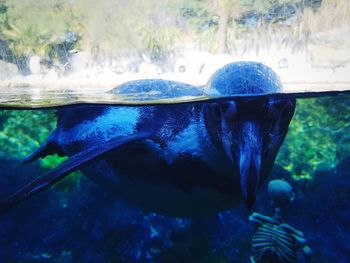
(182, 160)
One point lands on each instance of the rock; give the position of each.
(281, 192)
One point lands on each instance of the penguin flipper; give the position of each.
(74, 163)
(49, 147)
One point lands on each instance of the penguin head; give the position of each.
(248, 130)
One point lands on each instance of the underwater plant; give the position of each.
(316, 136)
(23, 131)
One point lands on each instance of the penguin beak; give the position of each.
(249, 159)
(244, 149)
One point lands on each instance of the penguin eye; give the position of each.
(229, 109)
(215, 111)
(280, 109)
(275, 129)
(288, 108)
(279, 113)
(273, 110)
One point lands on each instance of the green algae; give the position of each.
(22, 131)
(317, 137)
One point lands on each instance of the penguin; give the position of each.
(181, 160)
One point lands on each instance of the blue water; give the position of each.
(79, 221)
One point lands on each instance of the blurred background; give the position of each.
(82, 43)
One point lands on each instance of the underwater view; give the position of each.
(174, 131)
(160, 191)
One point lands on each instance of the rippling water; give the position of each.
(39, 97)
